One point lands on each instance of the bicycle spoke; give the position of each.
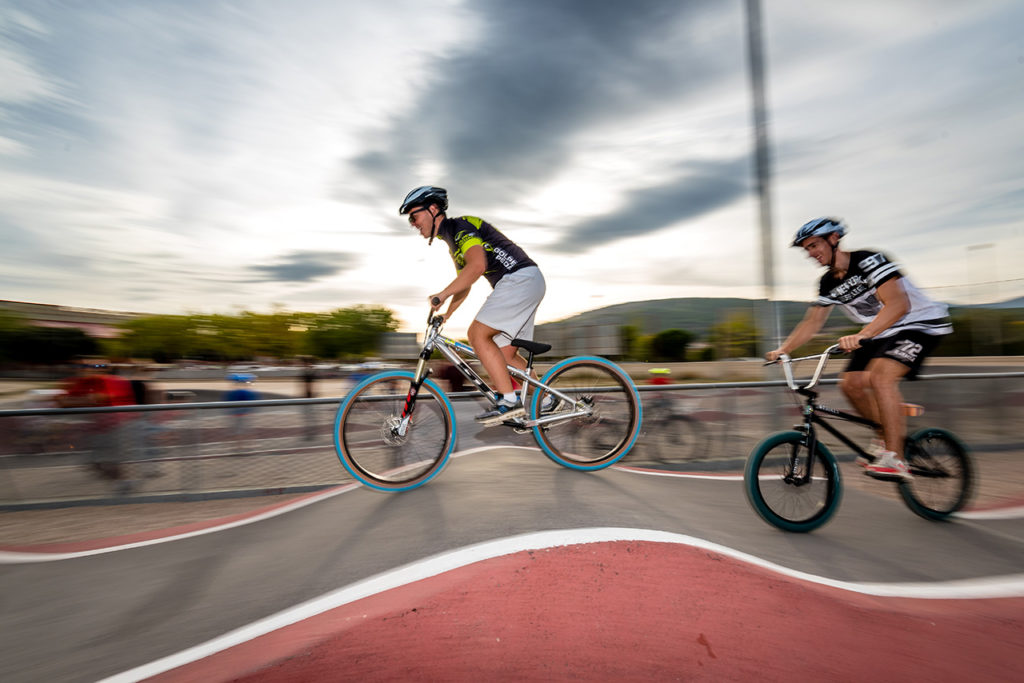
(942, 476)
(370, 442)
(789, 488)
(606, 410)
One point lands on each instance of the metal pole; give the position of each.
(769, 318)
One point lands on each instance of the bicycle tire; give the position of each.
(373, 453)
(601, 438)
(943, 474)
(675, 439)
(781, 501)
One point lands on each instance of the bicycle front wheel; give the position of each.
(943, 477)
(788, 487)
(369, 437)
(601, 412)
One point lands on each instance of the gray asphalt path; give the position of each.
(83, 619)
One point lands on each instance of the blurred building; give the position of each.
(399, 346)
(94, 322)
(599, 337)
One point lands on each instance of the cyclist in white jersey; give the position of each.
(900, 328)
(478, 249)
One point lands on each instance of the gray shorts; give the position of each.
(512, 306)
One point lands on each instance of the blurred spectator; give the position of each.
(456, 380)
(308, 410)
(105, 437)
(660, 376)
(243, 391)
(308, 379)
(33, 433)
(144, 426)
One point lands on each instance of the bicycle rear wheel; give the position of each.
(367, 439)
(943, 477)
(675, 439)
(610, 426)
(780, 492)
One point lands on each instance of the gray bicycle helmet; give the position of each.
(421, 196)
(817, 227)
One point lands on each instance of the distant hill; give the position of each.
(1012, 303)
(697, 315)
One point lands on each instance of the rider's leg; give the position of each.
(856, 386)
(884, 377)
(481, 338)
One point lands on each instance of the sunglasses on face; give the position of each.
(412, 215)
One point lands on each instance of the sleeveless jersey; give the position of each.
(856, 295)
(503, 255)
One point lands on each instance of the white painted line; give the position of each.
(1001, 513)
(678, 475)
(7, 557)
(993, 587)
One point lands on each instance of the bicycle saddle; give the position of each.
(531, 346)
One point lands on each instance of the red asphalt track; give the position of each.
(616, 610)
(630, 611)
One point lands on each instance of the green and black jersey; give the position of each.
(503, 255)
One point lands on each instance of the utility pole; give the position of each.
(771, 333)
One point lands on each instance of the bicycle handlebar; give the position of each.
(787, 363)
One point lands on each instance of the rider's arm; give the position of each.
(895, 305)
(457, 300)
(458, 289)
(814, 320)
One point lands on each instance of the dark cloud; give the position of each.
(303, 266)
(698, 188)
(502, 116)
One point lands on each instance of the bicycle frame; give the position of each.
(454, 351)
(814, 413)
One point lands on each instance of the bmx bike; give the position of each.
(396, 430)
(793, 482)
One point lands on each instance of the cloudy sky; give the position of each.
(211, 156)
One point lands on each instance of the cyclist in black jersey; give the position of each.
(900, 328)
(478, 249)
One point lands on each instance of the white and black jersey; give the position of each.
(856, 294)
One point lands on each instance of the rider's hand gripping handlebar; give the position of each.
(432, 320)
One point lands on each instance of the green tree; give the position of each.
(736, 336)
(350, 332)
(670, 345)
(46, 345)
(630, 336)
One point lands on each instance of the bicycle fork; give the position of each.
(419, 377)
(810, 442)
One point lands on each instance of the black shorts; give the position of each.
(909, 347)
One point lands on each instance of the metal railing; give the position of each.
(52, 457)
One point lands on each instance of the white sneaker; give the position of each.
(504, 410)
(549, 403)
(887, 466)
(874, 449)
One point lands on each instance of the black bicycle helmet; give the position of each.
(819, 226)
(421, 196)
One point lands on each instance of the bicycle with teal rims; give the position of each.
(396, 430)
(793, 481)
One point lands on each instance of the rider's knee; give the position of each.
(854, 383)
(883, 381)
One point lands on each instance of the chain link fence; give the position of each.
(189, 450)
